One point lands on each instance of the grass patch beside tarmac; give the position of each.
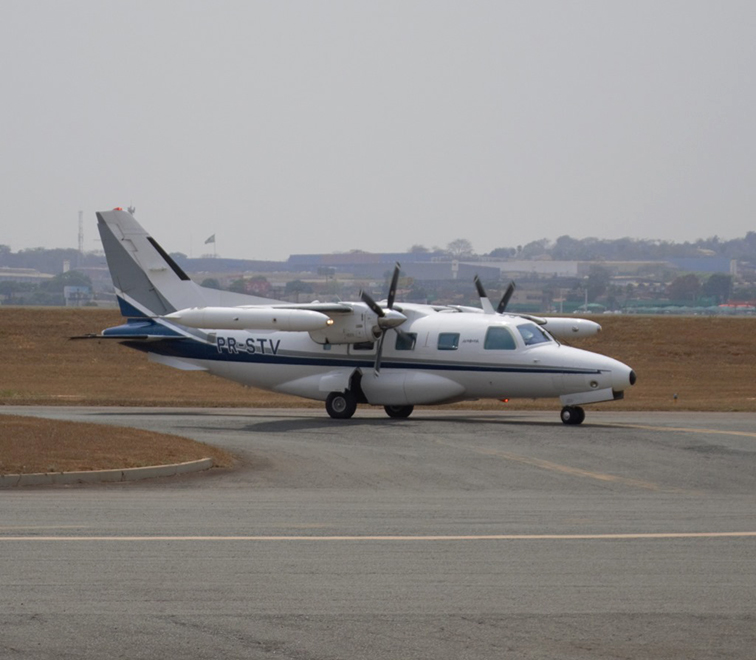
(30, 444)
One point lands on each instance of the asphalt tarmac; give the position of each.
(447, 535)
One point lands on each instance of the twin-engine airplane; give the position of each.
(390, 354)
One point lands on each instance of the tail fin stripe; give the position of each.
(167, 258)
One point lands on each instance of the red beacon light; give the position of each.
(118, 208)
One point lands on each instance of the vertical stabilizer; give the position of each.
(147, 280)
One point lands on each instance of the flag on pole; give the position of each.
(210, 240)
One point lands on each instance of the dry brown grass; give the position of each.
(30, 444)
(710, 363)
(41, 366)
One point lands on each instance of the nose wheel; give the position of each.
(572, 415)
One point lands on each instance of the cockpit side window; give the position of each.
(532, 334)
(405, 341)
(499, 338)
(448, 341)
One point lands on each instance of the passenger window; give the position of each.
(448, 341)
(532, 334)
(499, 339)
(405, 341)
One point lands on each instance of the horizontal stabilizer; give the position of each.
(138, 330)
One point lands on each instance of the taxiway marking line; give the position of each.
(563, 469)
(681, 429)
(4, 528)
(461, 537)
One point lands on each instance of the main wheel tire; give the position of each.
(399, 412)
(572, 415)
(580, 415)
(341, 405)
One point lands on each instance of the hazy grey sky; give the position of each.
(289, 127)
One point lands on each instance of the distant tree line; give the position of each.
(47, 261)
(688, 288)
(566, 248)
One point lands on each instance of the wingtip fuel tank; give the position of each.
(239, 318)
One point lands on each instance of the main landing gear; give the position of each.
(572, 415)
(341, 405)
(399, 412)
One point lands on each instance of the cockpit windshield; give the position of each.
(532, 334)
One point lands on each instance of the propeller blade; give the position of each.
(485, 303)
(392, 287)
(368, 300)
(479, 286)
(378, 354)
(505, 298)
(386, 319)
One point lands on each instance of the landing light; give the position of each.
(330, 322)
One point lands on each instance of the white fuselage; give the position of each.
(441, 356)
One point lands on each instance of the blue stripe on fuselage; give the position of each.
(199, 351)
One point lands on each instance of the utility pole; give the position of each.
(80, 258)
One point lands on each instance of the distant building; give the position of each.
(352, 260)
(29, 275)
(542, 268)
(77, 296)
(706, 265)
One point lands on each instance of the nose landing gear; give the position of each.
(572, 415)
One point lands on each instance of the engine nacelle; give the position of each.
(564, 328)
(359, 326)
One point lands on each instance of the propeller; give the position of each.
(386, 319)
(392, 286)
(485, 301)
(505, 298)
